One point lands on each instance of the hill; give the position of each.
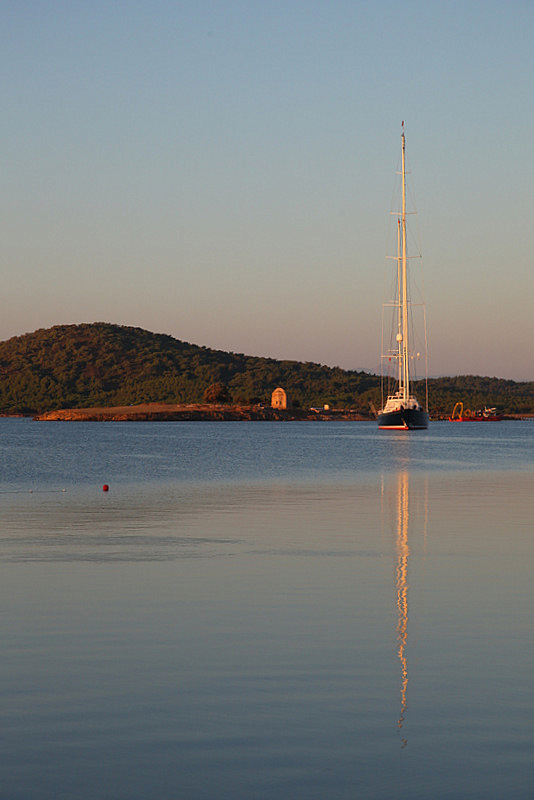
(100, 364)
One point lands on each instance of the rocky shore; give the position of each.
(167, 412)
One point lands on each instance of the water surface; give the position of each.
(261, 610)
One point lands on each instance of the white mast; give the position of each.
(399, 303)
(405, 384)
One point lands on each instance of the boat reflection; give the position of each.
(401, 586)
(409, 515)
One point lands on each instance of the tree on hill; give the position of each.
(217, 393)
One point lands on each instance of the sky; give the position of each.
(222, 171)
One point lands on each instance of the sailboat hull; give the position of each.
(405, 419)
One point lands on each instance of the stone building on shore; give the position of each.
(279, 399)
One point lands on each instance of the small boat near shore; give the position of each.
(487, 415)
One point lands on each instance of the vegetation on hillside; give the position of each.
(99, 364)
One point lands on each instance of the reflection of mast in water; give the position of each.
(403, 553)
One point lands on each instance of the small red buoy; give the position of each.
(105, 488)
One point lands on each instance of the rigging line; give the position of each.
(426, 359)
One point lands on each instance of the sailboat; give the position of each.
(402, 410)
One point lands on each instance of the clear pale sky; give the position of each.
(222, 172)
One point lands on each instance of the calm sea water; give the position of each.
(270, 611)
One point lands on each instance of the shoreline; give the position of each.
(202, 412)
(171, 412)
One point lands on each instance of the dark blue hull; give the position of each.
(407, 419)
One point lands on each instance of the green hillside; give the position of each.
(71, 366)
(99, 364)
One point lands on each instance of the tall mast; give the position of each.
(399, 303)
(405, 385)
